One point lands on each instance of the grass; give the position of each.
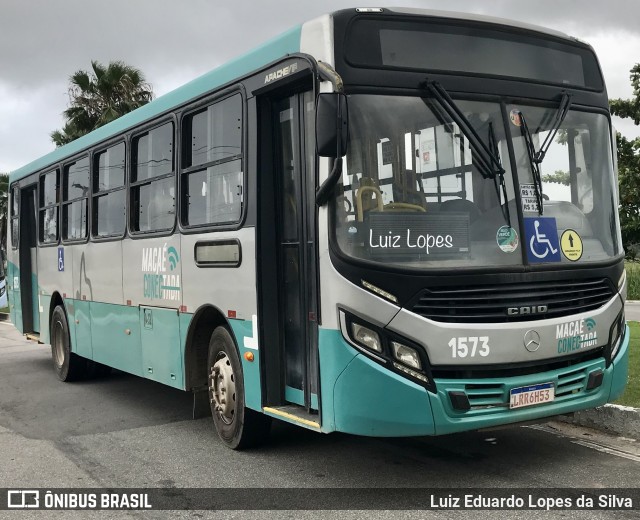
(633, 280)
(631, 396)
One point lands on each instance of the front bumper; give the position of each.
(371, 400)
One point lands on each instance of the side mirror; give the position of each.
(332, 128)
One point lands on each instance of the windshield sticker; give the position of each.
(576, 335)
(528, 198)
(542, 240)
(514, 116)
(571, 245)
(507, 239)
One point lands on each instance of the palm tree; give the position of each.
(100, 96)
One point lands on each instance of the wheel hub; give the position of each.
(58, 346)
(222, 388)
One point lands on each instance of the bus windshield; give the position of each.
(411, 195)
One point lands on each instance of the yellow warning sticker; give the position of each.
(571, 245)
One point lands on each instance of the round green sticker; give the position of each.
(507, 239)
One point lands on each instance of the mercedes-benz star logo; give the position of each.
(531, 340)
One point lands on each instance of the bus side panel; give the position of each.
(80, 324)
(97, 269)
(232, 290)
(246, 338)
(13, 293)
(115, 335)
(334, 356)
(51, 279)
(152, 271)
(160, 339)
(226, 288)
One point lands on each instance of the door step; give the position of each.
(33, 336)
(294, 414)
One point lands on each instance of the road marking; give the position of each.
(599, 441)
(607, 449)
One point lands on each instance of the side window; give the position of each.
(75, 196)
(109, 196)
(153, 205)
(48, 207)
(15, 211)
(212, 179)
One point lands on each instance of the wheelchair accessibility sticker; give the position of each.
(542, 240)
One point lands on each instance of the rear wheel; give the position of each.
(68, 366)
(239, 427)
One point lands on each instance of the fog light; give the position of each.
(366, 337)
(406, 355)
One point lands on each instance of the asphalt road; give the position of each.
(123, 431)
(632, 311)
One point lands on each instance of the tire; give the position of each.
(67, 365)
(238, 427)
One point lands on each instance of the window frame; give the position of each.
(131, 185)
(56, 170)
(64, 202)
(96, 194)
(183, 173)
(15, 240)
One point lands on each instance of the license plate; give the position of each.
(531, 395)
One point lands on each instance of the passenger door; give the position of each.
(288, 297)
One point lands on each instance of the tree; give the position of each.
(101, 96)
(629, 167)
(559, 177)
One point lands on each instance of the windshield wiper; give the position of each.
(498, 180)
(488, 163)
(487, 157)
(536, 157)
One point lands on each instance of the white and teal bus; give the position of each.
(386, 222)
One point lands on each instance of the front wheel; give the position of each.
(67, 365)
(238, 427)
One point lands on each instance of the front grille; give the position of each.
(489, 303)
(493, 396)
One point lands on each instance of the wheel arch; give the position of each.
(205, 320)
(56, 299)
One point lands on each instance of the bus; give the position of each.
(385, 222)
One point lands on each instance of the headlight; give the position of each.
(406, 355)
(366, 337)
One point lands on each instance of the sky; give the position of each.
(43, 42)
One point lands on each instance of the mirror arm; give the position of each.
(328, 73)
(324, 191)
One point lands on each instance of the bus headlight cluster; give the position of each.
(387, 348)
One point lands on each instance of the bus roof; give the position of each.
(286, 43)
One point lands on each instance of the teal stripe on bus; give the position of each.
(286, 43)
